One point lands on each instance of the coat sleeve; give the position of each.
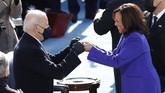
(131, 49)
(57, 58)
(38, 62)
(105, 23)
(16, 10)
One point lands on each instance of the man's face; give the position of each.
(43, 29)
(40, 28)
(156, 2)
(151, 5)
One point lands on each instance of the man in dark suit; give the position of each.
(103, 23)
(157, 36)
(34, 68)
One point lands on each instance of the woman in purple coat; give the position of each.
(132, 54)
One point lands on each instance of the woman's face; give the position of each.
(118, 22)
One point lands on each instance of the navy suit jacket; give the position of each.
(4, 88)
(35, 69)
(157, 45)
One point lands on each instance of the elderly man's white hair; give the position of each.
(4, 65)
(32, 18)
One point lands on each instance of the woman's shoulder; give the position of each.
(135, 35)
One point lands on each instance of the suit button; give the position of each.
(152, 50)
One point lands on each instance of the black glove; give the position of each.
(77, 48)
(74, 40)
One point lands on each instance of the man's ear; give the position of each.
(36, 28)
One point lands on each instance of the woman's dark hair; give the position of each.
(132, 18)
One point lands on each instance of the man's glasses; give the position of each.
(40, 26)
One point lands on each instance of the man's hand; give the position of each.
(77, 48)
(74, 40)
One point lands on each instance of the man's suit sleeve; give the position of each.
(70, 62)
(30, 58)
(39, 63)
(57, 58)
(106, 22)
